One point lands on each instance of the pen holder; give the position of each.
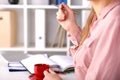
(13, 1)
(38, 71)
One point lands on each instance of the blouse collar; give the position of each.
(108, 8)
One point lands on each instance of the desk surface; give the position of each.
(6, 75)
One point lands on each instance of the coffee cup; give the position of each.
(39, 69)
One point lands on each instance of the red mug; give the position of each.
(38, 71)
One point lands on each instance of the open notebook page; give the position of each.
(31, 61)
(62, 60)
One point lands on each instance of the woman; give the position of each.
(96, 52)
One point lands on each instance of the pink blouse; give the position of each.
(98, 58)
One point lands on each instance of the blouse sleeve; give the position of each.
(105, 64)
(75, 39)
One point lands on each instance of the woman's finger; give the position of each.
(60, 16)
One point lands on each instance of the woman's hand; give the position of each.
(51, 75)
(66, 17)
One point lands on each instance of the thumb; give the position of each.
(46, 72)
(66, 7)
(51, 71)
(60, 9)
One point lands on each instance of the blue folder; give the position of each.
(60, 1)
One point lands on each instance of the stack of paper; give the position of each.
(16, 66)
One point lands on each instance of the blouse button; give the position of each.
(89, 35)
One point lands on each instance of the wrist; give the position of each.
(74, 29)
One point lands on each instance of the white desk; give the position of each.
(6, 75)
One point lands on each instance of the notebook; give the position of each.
(58, 63)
